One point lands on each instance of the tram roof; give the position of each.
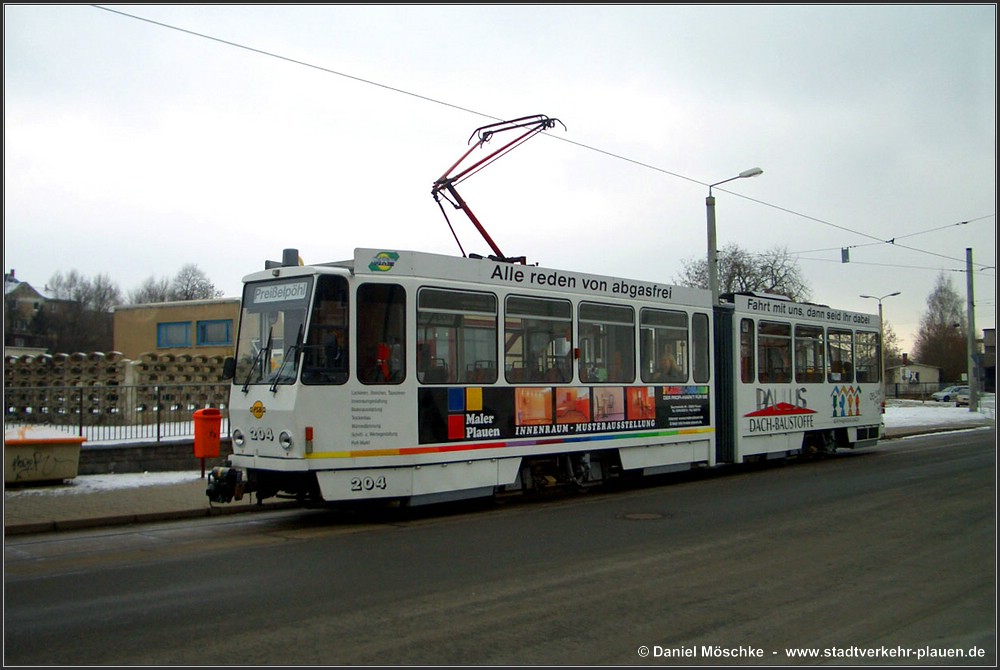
(781, 308)
(486, 272)
(490, 272)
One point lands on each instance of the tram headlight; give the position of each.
(238, 438)
(285, 440)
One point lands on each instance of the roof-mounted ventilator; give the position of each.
(445, 186)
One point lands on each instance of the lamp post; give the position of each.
(713, 251)
(881, 337)
(971, 335)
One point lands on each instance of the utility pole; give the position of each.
(971, 335)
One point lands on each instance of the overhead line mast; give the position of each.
(444, 187)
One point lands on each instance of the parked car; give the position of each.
(962, 398)
(950, 393)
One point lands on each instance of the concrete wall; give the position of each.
(100, 459)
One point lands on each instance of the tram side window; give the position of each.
(381, 354)
(663, 348)
(456, 337)
(868, 363)
(747, 349)
(840, 353)
(607, 343)
(538, 340)
(774, 352)
(809, 354)
(325, 359)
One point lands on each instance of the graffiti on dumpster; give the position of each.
(35, 466)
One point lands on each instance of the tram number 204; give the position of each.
(368, 483)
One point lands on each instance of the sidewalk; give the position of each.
(75, 505)
(69, 506)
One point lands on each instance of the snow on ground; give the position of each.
(94, 483)
(916, 413)
(898, 414)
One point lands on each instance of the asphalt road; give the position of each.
(884, 556)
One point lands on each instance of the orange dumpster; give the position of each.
(39, 453)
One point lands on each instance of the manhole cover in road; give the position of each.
(643, 516)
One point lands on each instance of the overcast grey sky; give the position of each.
(139, 138)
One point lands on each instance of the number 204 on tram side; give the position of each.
(418, 378)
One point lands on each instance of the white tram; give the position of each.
(420, 378)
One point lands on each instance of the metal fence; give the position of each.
(164, 412)
(919, 391)
(117, 413)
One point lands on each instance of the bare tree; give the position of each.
(99, 294)
(773, 271)
(151, 290)
(80, 318)
(192, 284)
(104, 294)
(71, 286)
(779, 273)
(941, 339)
(892, 350)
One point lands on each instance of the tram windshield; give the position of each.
(272, 331)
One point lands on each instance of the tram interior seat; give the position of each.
(594, 374)
(437, 373)
(515, 374)
(556, 374)
(668, 378)
(482, 372)
(534, 374)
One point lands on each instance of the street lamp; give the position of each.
(971, 335)
(881, 337)
(713, 252)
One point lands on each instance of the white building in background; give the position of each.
(912, 373)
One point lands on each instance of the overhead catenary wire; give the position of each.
(893, 241)
(877, 240)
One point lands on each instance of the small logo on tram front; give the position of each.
(383, 261)
(258, 409)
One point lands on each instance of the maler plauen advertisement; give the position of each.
(462, 414)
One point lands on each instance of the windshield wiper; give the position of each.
(292, 353)
(259, 359)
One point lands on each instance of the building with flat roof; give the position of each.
(194, 327)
